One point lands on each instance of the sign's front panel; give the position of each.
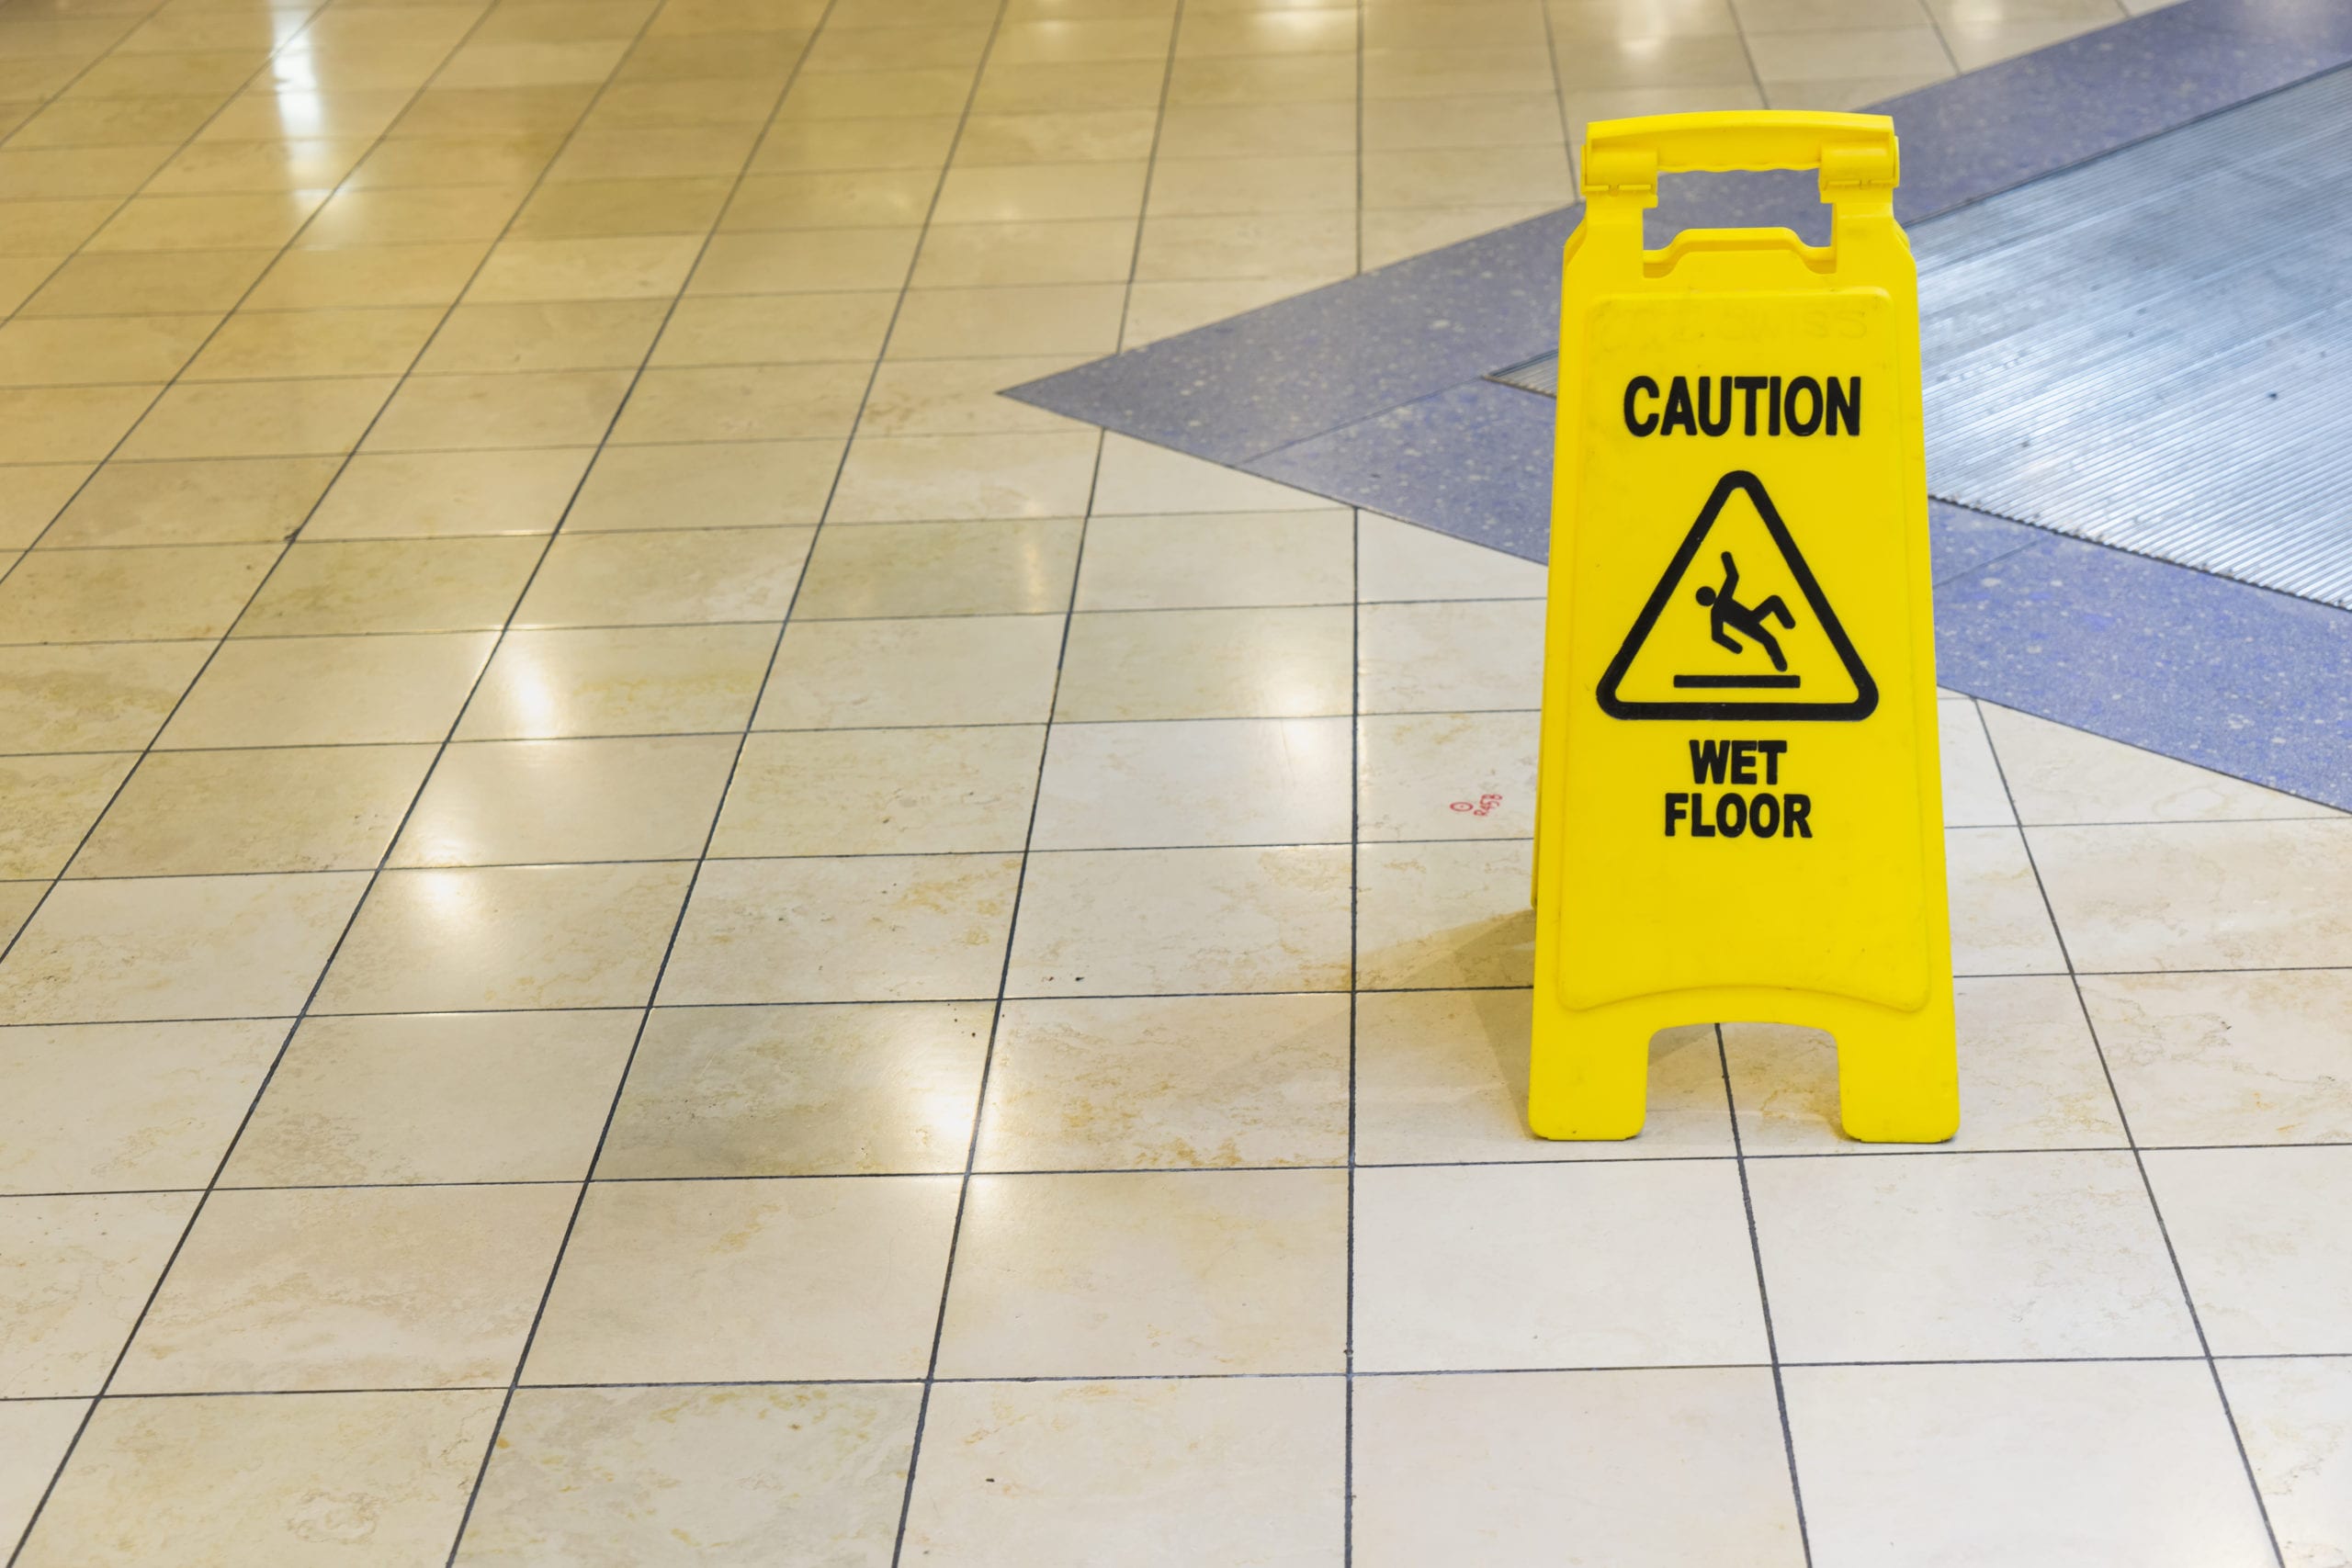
(1738, 817)
(1741, 710)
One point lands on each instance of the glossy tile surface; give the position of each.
(593, 814)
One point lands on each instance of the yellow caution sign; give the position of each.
(1738, 815)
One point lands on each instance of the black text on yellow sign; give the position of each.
(1738, 815)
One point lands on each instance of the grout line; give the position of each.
(2138, 1160)
(1763, 1294)
(1045, 751)
(1594, 1368)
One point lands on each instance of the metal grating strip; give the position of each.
(2155, 350)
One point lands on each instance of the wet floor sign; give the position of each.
(1738, 814)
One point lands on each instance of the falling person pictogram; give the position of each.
(1723, 606)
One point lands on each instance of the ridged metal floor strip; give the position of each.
(2154, 351)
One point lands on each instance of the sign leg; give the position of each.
(1898, 1073)
(1588, 1074)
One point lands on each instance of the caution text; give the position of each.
(1754, 405)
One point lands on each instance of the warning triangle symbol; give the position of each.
(1738, 628)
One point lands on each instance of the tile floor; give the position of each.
(648, 929)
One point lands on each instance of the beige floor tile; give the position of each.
(34, 496)
(1089, 39)
(2061, 774)
(1176, 1081)
(47, 424)
(2200, 896)
(1209, 33)
(1976, 44)
(80, 1268)
(175, 947)
(448, 494)
(1167, 921)
(670, 105)
(942, 670)
(95, 696)
(47, 804)
(554, 408)
(640, 681)
(1444, 915)
(34, 1435)
(219, 813)
(2051, 1463)
(393, 585)
(264, 113)
(751, 484)
(1206, 665)
(563, 334)
(2030, 1077)
(561, 936)
(251, 221)
(256, 345)
(1154, 1273)
(116, 1106)
(411, 216)
(2244, 1058)
(914, 94)
(867, 198)
(845, 259)
(1677, 1466)
(540, 801)
(1540, 1265)
(1466, 775)
(510, 110)
(1442, 1077)
(653, 1478)
(493, 64)
(776, 329)
(984, 253)
(437, 1098)
(882, 792)
(79, 350)
(579, 209)
(2288, 1413)
(1021, 567)
(875, 928)
(158, 593)
(330, 691)
(1069, 86)
(114, 122)
(36, 171)
(1250, 245)
(1830, 16)
(1451, 656)
(733, 574)
(1218, 782)
(1034, 193)
(1296, 79)
(1068, 135)
(1140, 480)
(964, 324)
(1043, 1474)
(1309, 183)
(2265, 1240)
(807, 1280)
(619, 268)
(45, 230)
(827, 1090)
(2000, 924)
(1936, 1256)
(353, 1478)
(414, 1287)
(1494, 176)
(434, 273)
(750, 402)
(259, 419)
(808, 146)
(1220, 560)
(915, 477)
(1975, 795)
(237, 500)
